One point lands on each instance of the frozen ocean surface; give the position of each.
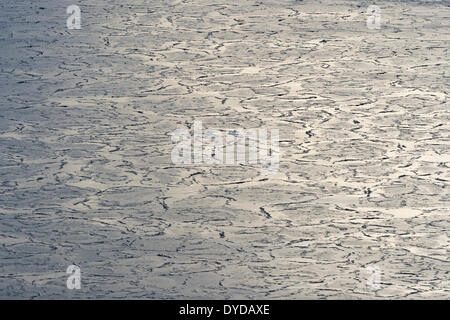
(86, 176)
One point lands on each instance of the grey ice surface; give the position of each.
(86, 176)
